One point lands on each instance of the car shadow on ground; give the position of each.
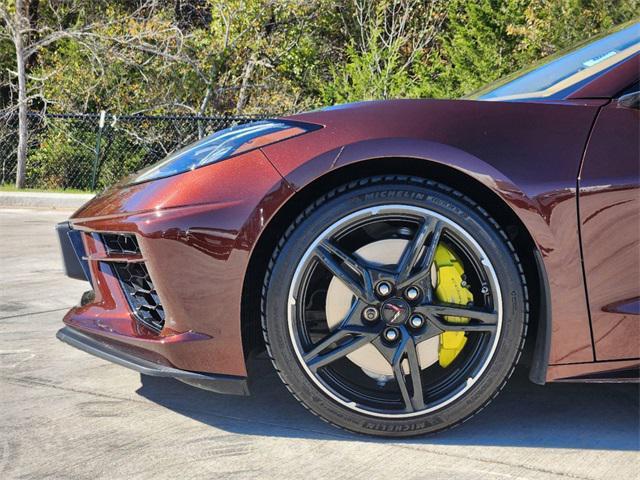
(585, 416)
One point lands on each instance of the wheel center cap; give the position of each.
(395, 311)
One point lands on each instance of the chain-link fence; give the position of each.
(92, 151)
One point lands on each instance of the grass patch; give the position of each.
(12, 188)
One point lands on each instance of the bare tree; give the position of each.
(243, 51)
(385, 38)
(29, 37)
(17, 25)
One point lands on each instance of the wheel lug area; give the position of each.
(383, 289)
(371, 314)
(391, 335)
(416, 321)
(412, 294)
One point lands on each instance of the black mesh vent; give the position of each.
(141, 294)
(125, 243)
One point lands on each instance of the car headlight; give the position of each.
(224, 144)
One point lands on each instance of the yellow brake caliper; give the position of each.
(449, 289)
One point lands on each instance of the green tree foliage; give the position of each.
(552, 26)
(477, 46)
(386, 41)
(241, 56)
(256, 56)
(259, 56)
(484, 40)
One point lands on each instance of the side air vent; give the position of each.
(122, 243)
(135, 280)
(141, 294)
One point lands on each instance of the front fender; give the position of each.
(527, 153)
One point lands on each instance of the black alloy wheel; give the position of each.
(355, 310)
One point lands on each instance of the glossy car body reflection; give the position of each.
(561, 173)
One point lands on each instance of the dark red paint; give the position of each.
(198, 230)
(195, 240)
(610, 226)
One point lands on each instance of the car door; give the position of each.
(609, 214)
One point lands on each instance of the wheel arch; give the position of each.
(537, 344)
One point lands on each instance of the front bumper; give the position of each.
(194, 235)
(72, 249)
(119, 355)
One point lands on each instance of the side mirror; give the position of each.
(630, 100)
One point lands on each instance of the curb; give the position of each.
(53, 201)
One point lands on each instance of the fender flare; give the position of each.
(524, 208)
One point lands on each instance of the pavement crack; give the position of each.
(35, 382)
(35, 313)
(188, 411)
(495, 462)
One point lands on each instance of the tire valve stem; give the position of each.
(484, 290)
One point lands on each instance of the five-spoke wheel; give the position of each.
(393, 310)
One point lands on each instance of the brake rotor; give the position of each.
(339, 301)
(447, 279)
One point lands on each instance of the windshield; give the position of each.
(560, 74)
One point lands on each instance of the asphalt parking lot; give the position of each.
(65, 414)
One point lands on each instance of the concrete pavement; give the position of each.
(66, 414)
(45, 200)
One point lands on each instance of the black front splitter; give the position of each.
(227, 384)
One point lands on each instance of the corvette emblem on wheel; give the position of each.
(395, 311)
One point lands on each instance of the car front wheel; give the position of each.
(394, 306)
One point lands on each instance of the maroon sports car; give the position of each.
(395, 258)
